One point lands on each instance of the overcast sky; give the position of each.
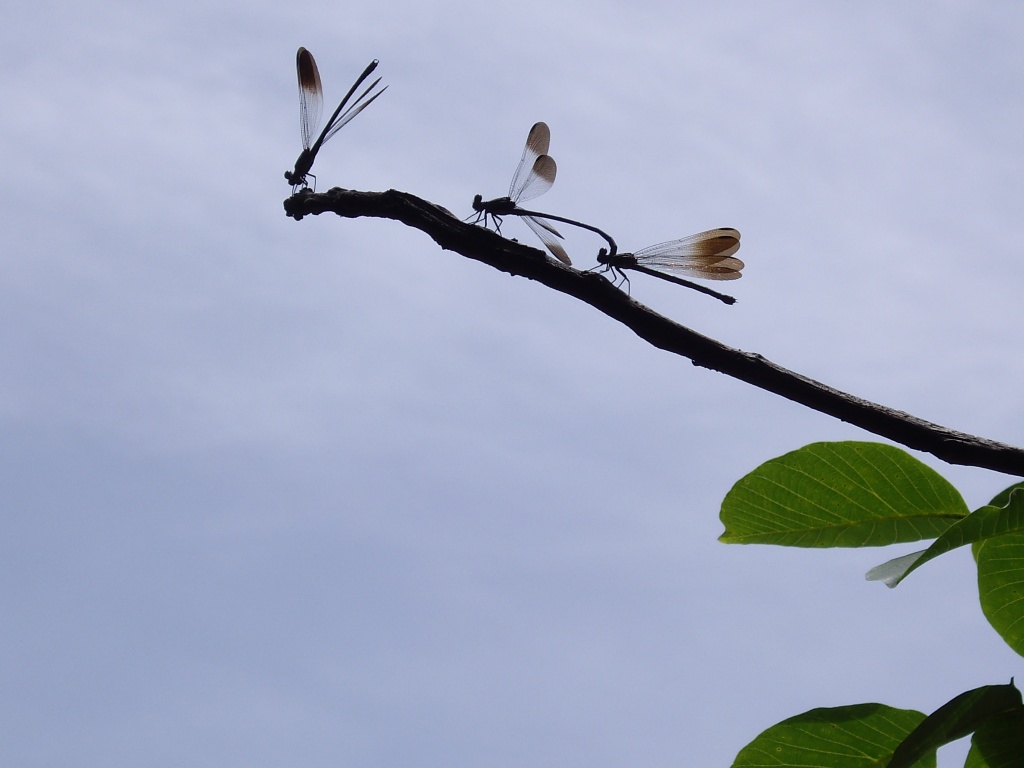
(320, 494)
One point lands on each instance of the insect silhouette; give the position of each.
(706, 255)
(311, 101)
(533, 177)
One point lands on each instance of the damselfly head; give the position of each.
(297, 177)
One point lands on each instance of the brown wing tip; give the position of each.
(539, 139)
(309, 76)
(718, 242)
(726, 269)
(545, 168)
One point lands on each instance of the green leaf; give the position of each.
(981, 524)
(1003, 497)
(1001, 586)
(849, 494)
(998, 743)
(955, 719)
(857, 736)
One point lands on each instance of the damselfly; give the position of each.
(311, 100)
(533, 177)
(706, 255)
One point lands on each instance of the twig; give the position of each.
(478, 243)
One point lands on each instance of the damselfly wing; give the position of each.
(706, 255)
(311, 101)
(533, 177)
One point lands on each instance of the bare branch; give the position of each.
(485, 246)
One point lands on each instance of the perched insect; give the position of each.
(533, 177)
(706, 255)
(311, 101)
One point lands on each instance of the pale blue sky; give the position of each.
(321, 494)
